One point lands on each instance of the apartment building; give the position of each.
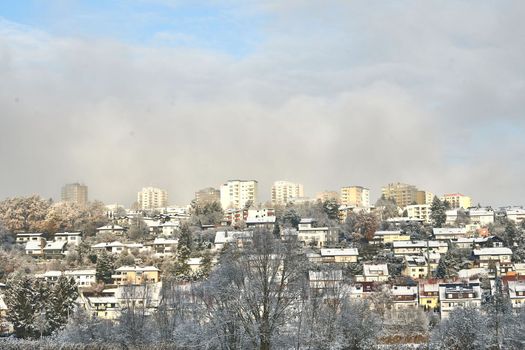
(74, 193)
(419, 211)
(284, 191)
(424, 197)
(356, 196)
(136, 275)
(207, 195)
(237, 193)
(152, 198)
(457, 200)
(402, 194)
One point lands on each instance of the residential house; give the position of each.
(479, 242)
(35, 248)
(362, 290)
(112, 229)
(223, 238)
(404, 296)
(136, 275)
(373, 273)
(517, 215)
(429, 295)
(163, 247)
(485, 256)
(55, 249)
(71, 238)
(449, 233)
(458, 294)
(482, 216)
(27, 237)
(382, 237)
(315, 236)
(325, 282)
(419, 247)
(516, 290)
(416, 267)
(339, 255)
(83, 278)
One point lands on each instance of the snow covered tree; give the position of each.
(105, 267)
(184, 249)
(24, 213)
(331, 209)
(22, 303)
(498, 309)
(438, 212)
(464, 329)
(360, 326)
(61, 302)
(290, 218)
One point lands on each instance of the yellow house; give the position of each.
(383, 237)
(415, 267)
(136, 275)
(429, 295)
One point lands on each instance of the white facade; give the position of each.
(236, 193)
(516, 214)
(72, 238)
(419, 211)
(482, 216)
(453, 295)
(152, 198)
(283, 191)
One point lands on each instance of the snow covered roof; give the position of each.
(32, 234)
(81, 272)
(161, 240)
(55, 245)
(415, 260)
(102, 300)
(449, 230)
(111, 228)
(33, 245)
(51, 273)
(137, 268)
(375, 269)
(492, 251)
(467, 273)
(222, 237)
(68, 234)
(418, 244)
(107, 245)
(339, 252)
(261, 220)
(387, 233)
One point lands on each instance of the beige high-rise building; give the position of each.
(457, 200)
(75, 193)
(207, 195)
(327, 195)
(402, 194)
(236, 193)
(152, 198)
(424, 197)
(355, 196)
(284, 191)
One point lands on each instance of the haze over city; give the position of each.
(184, 95)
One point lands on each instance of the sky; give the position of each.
(188, 94)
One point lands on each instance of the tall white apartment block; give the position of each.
(235, 193)
(284, 191)
(152, 197)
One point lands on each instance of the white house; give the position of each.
(315, 236)
(112, 229)
(26, 237)
(484, 256)
(449, 233)
(459, 294)
(482, 216)
(373, 273)
(83, 278)
(419, 247)
(72, 238)
(515, 214)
